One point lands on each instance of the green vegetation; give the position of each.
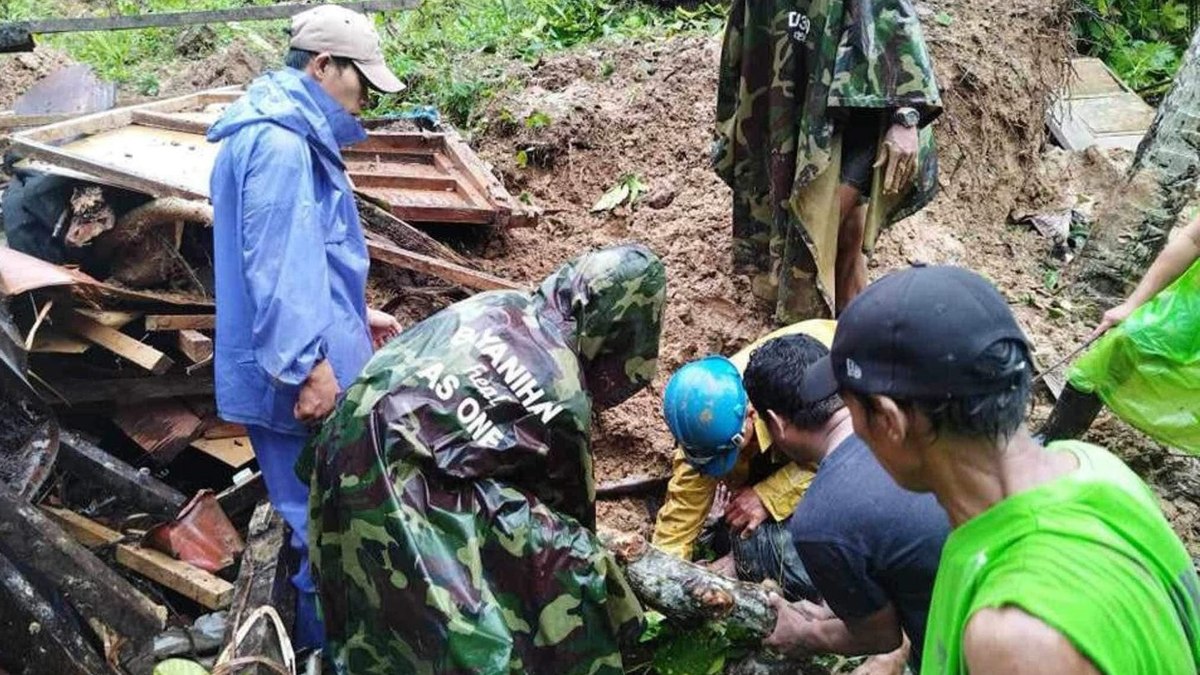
(1142, 40)
(452, 53)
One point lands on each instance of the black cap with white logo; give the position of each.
(914, 334)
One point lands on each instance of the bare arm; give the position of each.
(1176, 257)
(1008, 641)
(804, 628)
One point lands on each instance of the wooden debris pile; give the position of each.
(133, 522)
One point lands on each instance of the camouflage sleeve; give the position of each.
(882, 60)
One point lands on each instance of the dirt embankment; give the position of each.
(648, 109)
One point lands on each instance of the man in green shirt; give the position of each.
(1059, 560)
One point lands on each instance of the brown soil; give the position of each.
(19, 71)
(652, 115)
(239, 63)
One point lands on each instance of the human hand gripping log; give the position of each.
(688, 593)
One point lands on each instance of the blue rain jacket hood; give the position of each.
(290, 258)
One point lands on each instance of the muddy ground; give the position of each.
(647, 108)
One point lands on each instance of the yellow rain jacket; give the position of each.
(690, 493)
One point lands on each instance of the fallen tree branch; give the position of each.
(631, 487)
(687, 593)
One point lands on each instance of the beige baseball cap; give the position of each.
(348, 34)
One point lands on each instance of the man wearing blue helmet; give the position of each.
(722, 442)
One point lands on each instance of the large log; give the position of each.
(687, 593)
(140, 490)
(262, 580)
(37, 636)
(95, 590)
(1133, 224)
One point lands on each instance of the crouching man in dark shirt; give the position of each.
(870, 547)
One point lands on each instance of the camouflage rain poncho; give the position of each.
(786, 67)
(452, 495)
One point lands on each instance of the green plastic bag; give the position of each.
(1147, 369)
(179, 667)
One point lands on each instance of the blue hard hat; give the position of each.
(705, 407)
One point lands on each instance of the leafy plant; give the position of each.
(1142, 40)
(537, 120)
(628, 189)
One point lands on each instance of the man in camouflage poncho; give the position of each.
(811, 93)
(452, 496)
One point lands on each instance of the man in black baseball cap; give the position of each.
(1056, 552)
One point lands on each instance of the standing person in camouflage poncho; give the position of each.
(452, 497)
(821, 104)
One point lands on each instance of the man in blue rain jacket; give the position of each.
(293, 328)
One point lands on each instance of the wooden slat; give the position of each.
(162, 429)
(402, 207)
(216, 429)
(169, 322)
(157, 120)
(510, 212)
(115, 341)
(110, 318)
(195, 345)
(50, 341)
(187, 580)
(10, 120)
(81, 458)
(366, 179)
(192, 582)
(439, 268)
(85, 531)
(153, 19)
(128, 390)
(236, 452)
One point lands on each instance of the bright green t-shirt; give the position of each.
(1089, 554)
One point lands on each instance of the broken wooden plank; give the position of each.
(378, 221)
(159, 120)
(48, 340)
(115, 341)
(264, 579)
(35, 635)
(127, 390)
(236, 452)
(216, 428)
(94, 589)
(139, 489)
(238, 499)
(438, 268)
(11, 120)
(191, 18)
(195, 345)
(169, 322)
(187, 580)
(162, 428)
(510, 211)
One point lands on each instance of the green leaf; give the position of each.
(636, 187)
(522, 159)
(612, 199)
(179, 667)
(943, 19)
(1051, 279)
(537, 120)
